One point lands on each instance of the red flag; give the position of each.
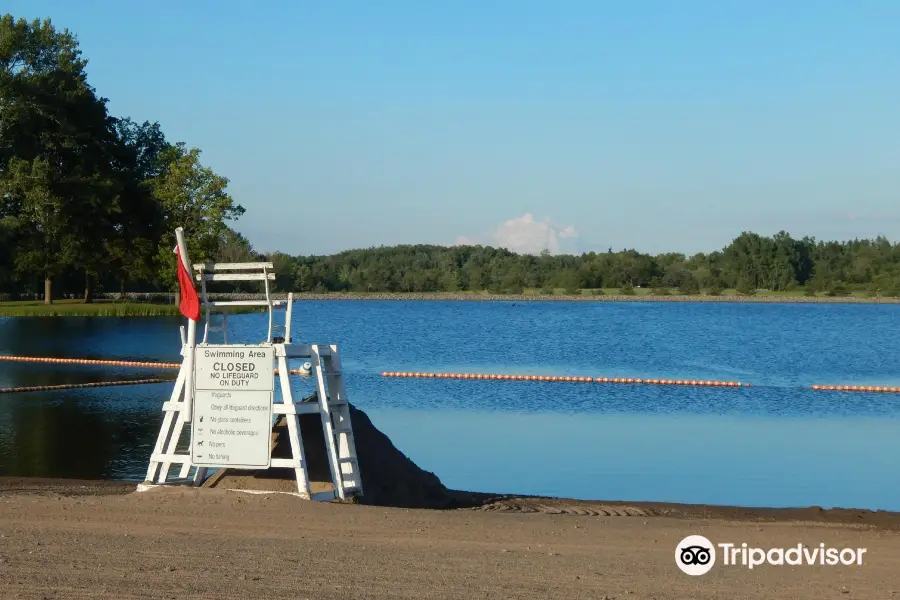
(190, 303)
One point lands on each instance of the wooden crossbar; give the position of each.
(235, 276)
(274, 303)
(250, 266)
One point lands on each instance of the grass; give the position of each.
(99, 308)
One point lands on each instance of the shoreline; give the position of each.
(456, 297)
(139, 305)
(511, 503)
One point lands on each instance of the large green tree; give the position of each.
(191, 196)
(132, 243)
(59, 193)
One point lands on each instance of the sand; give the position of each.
(80, 540)
(409, 537)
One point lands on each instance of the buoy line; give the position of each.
(562, 378)
(465, 376)
(631, 380)
(90, 361)
(70, 386)
(856, 388)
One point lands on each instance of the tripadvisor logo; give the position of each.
(696, 555)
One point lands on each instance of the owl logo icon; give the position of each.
(695, 555)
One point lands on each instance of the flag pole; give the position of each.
(188, 350)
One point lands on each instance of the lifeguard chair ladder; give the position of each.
(331, 398)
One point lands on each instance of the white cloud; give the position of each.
(465, 241)
(528, 235)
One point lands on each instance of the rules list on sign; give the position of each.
(232, 421)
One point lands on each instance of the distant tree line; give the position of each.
(749, 263)
(89, 202)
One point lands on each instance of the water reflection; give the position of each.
(695, 459)
(127, 338)
(90, 434)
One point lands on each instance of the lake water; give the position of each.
(777, 443)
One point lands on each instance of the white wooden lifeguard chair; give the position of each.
(331, 399)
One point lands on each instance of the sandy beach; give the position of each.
(409, 536)
(80, 540)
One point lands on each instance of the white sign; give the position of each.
(232, 420)
(235, 367)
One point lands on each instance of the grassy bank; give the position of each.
(99, 308)
(122, 308)
(77, 308)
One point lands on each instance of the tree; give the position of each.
(193, 197)
(689, 285)
(234, 247)
(285, 270)
(36, 218)
(303, 278)
(56, 184)
(744, 288)
(449, 282)
(133, 241)
(148, 144)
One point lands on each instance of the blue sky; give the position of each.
(574, 125)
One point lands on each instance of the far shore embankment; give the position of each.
(762, 297)
(157, 304)
(590, 298)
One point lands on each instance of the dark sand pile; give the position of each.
(389, 477)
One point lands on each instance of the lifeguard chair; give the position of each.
(331, 401)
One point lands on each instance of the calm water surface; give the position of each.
(777, 443)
